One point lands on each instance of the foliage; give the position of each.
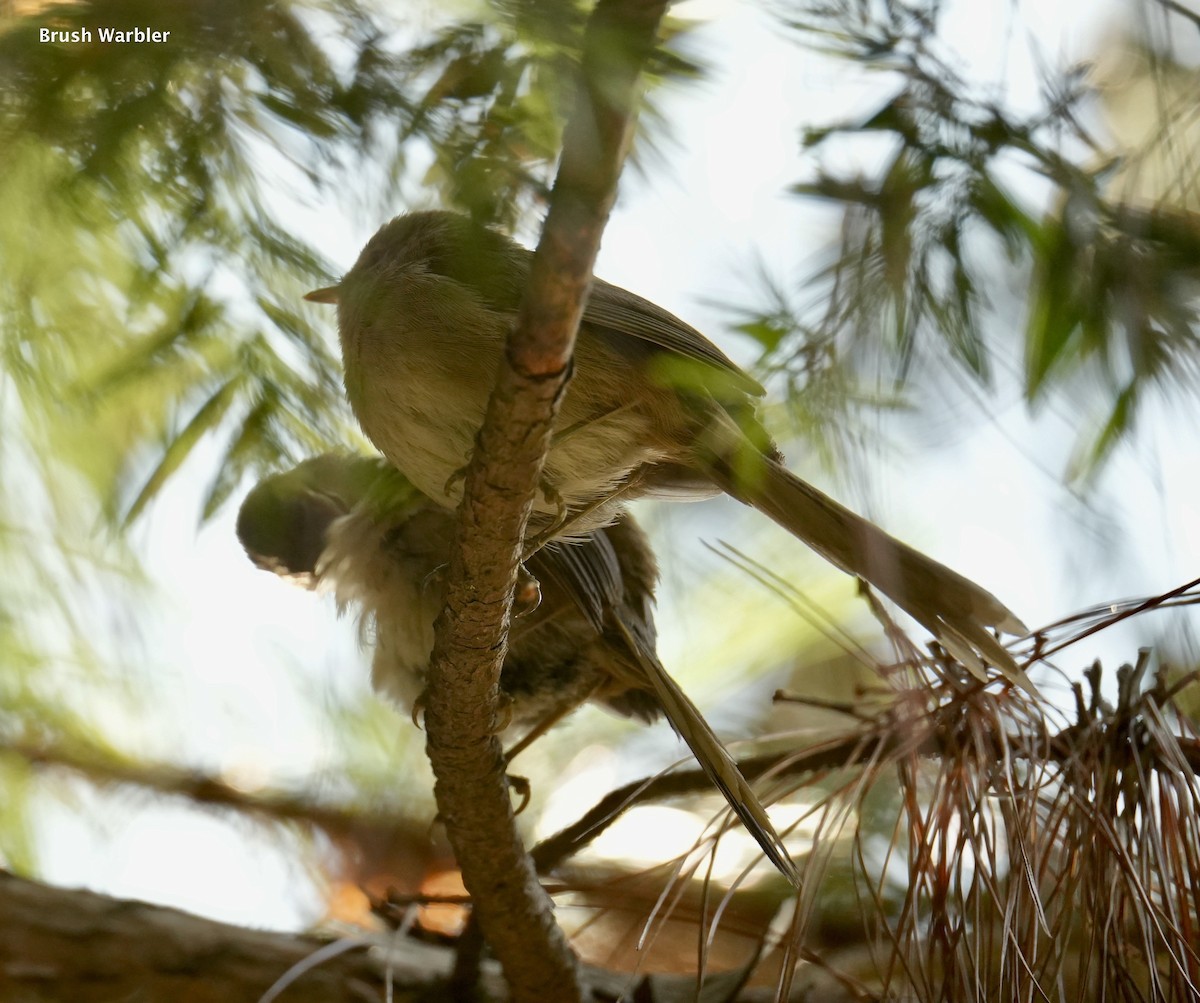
(157, 290)
(965, 182)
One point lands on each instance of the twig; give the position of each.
(102, 767)
(860, 747)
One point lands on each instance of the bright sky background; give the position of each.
(683, 235)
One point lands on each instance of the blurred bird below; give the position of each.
(358, 526)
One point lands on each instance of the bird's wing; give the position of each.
(587, 570)
(496, 269)
(620, 315)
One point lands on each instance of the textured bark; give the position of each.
(516, 916)
(77, 946)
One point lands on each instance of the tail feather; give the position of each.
(718, 765)
(951, 607)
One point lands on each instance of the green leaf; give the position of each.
(205, 420)
(1055, 313)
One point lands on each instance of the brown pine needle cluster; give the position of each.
(964, 841)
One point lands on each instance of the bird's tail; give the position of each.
(716, 762)
(953, 608)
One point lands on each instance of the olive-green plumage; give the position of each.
(653, 409)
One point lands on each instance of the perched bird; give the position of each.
(358, 526)
(653, 409)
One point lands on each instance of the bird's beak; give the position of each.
(327, 295)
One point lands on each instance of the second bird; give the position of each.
(354, 524)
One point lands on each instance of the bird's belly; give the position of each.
(395, 588)
(423, 406)
(419, 405)
(403, 640)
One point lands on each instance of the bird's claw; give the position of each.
(523, 790)
(504, 715)
(551, 496)
(436, 577)
(457, 477)
(528, 594)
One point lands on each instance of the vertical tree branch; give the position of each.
(514, 912)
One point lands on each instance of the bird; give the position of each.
(653, 409)
(355, 525)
